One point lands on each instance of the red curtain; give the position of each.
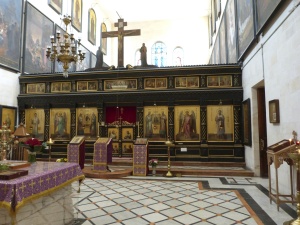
(127, 113)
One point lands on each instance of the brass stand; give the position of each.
(169, 144)
(295, 156)
(50, 143)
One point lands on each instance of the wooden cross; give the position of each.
(121, 33)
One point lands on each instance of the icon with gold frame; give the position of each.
(115, 149)
(127, 133)
(34, 121)
(8, 116)
(60, 123)
(220, 123)
(187, 123)
(113, 133)
(86, 122)
(127, 148)
(156, 123)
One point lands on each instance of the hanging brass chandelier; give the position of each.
(64, 49)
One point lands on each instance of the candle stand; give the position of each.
(50, 143)
(169, 144)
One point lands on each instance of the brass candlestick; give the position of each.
(169, 144)
(50, 143)
(295, 156)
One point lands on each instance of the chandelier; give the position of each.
(64, 49)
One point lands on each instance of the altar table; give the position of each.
(48, 184)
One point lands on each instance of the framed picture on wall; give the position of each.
(247, 122)
(245, 18)
(223, 48)
(38, 31)
(8, 116)
(217, 49)
(77, 14)
(264, 10)
(187, 123)
(103, 40)
(60, 87)
(60, 123)
(56, 5)
(35, 88)
(87, 85)
(274, 111)
(11, 23)
(230, 14)
(92, 27)
(34, 122)
(156, 123)
(87, 122)
(220, 123)
(126, 84)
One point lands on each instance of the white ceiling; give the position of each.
(149, 10)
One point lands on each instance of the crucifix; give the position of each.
(121, 33)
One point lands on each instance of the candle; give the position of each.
(290, 141)
(50, 140)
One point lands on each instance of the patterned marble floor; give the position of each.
(178, 201)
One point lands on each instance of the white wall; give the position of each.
(191, 36)
(9, 81)
(275, 61)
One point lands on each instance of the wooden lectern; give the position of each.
(277, 154)
(76, 150)
(140, 157)
(102, 154)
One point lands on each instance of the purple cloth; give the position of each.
(102, 154)
(42, 176)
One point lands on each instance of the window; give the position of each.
(137, 58)
(178, 56)
(159, 54)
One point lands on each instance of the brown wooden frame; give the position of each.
(274, 115)
(247, 122)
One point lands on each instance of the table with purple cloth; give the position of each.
(102, 154)
(43, 179)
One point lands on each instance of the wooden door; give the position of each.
(262, 129)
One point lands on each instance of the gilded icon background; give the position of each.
(87, 122)
(8, 117)
(220, 123)
(156, 123)
(60, 121)
(113, 133)
(34, 122)
(187, 123)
